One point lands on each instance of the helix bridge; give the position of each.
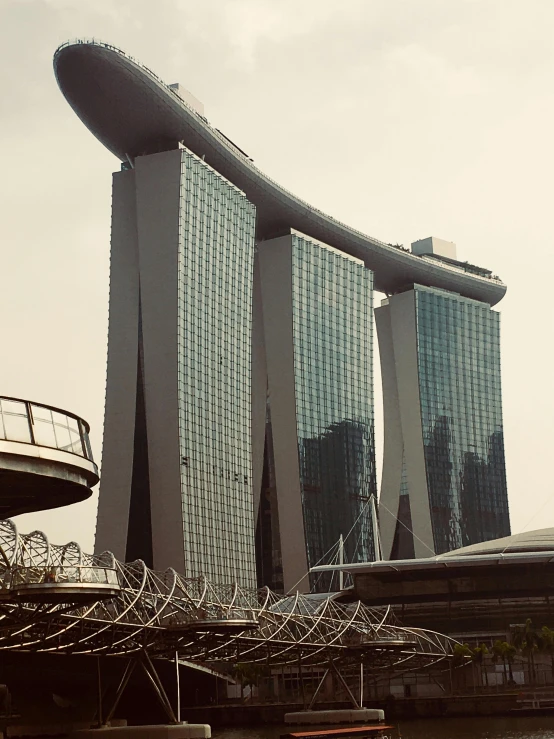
(59, 599)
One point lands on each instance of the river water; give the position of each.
(452, 728)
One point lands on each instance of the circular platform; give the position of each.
(45, 458)
(64, 584)
(214, 625)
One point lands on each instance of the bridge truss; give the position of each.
(59, 599)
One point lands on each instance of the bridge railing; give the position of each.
(72, 574)
(44, 425)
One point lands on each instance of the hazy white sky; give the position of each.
(403, 118)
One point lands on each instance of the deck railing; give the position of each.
(43, 425)
(67, 574)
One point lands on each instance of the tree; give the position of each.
(527, 640)
(503, 650)
(479, 654)
(499, 653)
(462, 655)
(510, 652)
(248, 675)
(546, 639)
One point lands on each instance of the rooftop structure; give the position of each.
(188, 97)
(132, 112)
(434, 246)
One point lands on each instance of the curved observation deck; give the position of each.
(45, 458)
(132, 112)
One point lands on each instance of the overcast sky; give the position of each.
(403, 118)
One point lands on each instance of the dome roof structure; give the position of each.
(540, 540)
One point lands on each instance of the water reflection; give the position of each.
(453, 728)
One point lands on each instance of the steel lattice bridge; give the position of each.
(59, 599)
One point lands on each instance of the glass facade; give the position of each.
(332, 296)
(458, 350)
(215, 263)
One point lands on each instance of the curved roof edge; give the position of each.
(528, 547)
(132, 112)
(539, 540)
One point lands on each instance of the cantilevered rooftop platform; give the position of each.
(132, 112)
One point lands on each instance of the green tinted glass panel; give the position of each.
(333, 353)
(461, 407)
(216, 251)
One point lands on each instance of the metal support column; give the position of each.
(129, 668)
(157, 684)
(343, 681)
(179, 687)
(320, 685)
(99, 685)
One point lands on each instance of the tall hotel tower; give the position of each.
(239, 432)
(176, 469)
(314, 455)
(440, 364)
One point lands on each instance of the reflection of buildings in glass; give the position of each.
(482, 496)
(440, 356)
(438, 456)
(313, 323)
(176, 470)
(335, 498)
